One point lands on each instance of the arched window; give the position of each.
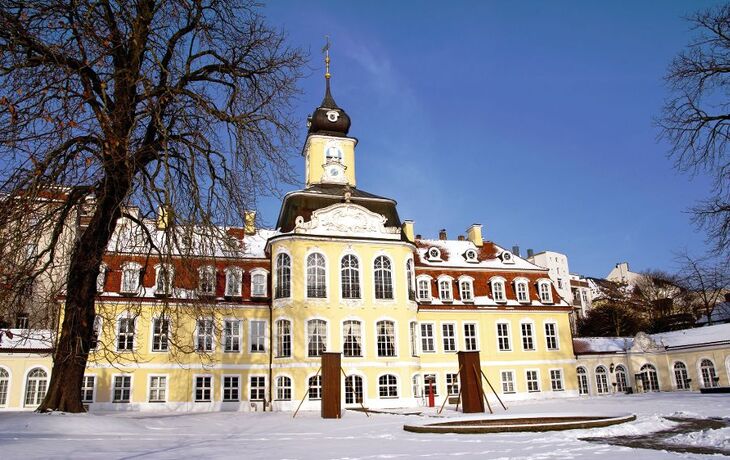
(649, 377)
(498, 293)
(234, 278)
(131, 275)
(4, 384)
(466, 290)
(582, 380)
(315, 387)
(316, 337)
(417, 387)
(622, 383)
(206, 280)
(388, 386)
(351, 339)
(35, 387)
(601, 380)
(163, 281)
(424, 289)
(316, 276)
(409, 280)
(522, 291)
(386, 338)
(546, 294)
(681, 377)
(445, 293)
(258, 283)
(283, 388)
(283, 276)
(383, 278)
(353, 389)
(709, 378)
(350, 275)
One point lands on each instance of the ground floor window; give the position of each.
(533, 384)
(87, 389)
(622, 383)
(231, 388)
(122, 388)
(4, 383)
(582, 380)
(556, 379)
(709, 378)
(601, 380)
(452, 384)
(353, 389)
(315, 387)
(203, 388)
(35, 387)
(283, 388)
(649, 377)
(258, 388)
(508, 382)
(158, 388)
(680, 376)
(388, 386)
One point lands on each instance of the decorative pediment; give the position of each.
(643, 342)
(347, 219)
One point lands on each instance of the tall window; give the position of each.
(709, 378)
(96, 332)
(445, 293)
(452, 384)
(533, 383)
(414, 338)
(427, 339)
(416, 386)
(582, 380)
(383, 278)
(101, 278)
(386, 338)
(388, 386)
(470, 337)
(257, 387)
(350, 275)
(546, 295)
(316, 274)
(353, 389)
(315, 387)
(258, 336)
(232, 335)
(601, 380)
(649, 377)
(503, 341)
(522, 292)
(528, 342)
(234, 278)
(498, 290)
(163, 283)
(131, 274)
(231, 388)
(206, 280)
(352, 339)
(466, 291)
(203, 388)
(283, 276)
(680, 376)
(125, 334)
(409, 280)
(204, 340)
(556, 379)
(4, 384)
(158, 388)
(316, 337)
(160, 334)
(122, 388)
(622, 383)
(448, 333)
(87, 389)
(283, 388)
(508, 382)
(424, 289)
(551, 336)
(283, 338)
(258, 284)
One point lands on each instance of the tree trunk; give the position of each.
(76, 333)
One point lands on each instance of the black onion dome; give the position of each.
(328, 118)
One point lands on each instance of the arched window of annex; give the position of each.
(522, 289)
(466, 288)
(601, 380)
(707, 373)
(681, 377)
(4, 386)
(650, 377)
(499, 293)
(36, 385)
(622, 380)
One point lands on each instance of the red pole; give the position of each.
(431, 400)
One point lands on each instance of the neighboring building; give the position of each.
(557, 266)
(581, 294)
(683, 360)
(621, 274)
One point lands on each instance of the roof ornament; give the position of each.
(348, 193)
(326, 51)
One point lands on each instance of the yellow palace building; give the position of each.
(242, 326)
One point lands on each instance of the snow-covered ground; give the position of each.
(355, 436)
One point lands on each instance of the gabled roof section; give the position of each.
(452, 256)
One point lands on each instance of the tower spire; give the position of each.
(328, 100)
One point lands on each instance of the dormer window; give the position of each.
(498, 293)
(445, 289)
(466, 289)
(101, 278)
(471, 256)
(163, 281)
(234, 276)
(131, 274)
(206, 280)
(433, 254)
(507, 257)
(546, 294)
(423, 284)
(522, 291)
(259, 282)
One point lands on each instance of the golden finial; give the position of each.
(326, 51)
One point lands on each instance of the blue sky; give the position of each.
(531, 118)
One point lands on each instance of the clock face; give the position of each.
(333, 171)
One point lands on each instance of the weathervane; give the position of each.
(326, 51)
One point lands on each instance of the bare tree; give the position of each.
(177, 104)
(696, 117)
(706, 280)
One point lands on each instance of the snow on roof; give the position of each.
(25, 339)
(587, 345)
(695, 336)
(454, 256)
(720, 314)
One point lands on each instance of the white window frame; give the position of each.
(114, 387)
(282, 273)
(314, 385)
(259, 290)
(452, 383)
(428, 338)
(233, 275)
(424, 279)
(600, 374)
(235, 339)
(210, 388)
(317, 286)
(508, 384)
(682, 384)
(133, 270)
(349, 341)
(467, 338)
(388, 343)
(386, 291)
(499, 291)
(388, 386)
(203, 272)
(284, 385)
(544, 290)
(167, 285)
(225, 378)
(452, 338)
(321, 338)
(504, 335)
(354, 283)
(413, 336)
(468, 283)
(523, 336)
(552, 340)
(255, 338)
(559, 380)
(258, 388)
(447, 282)
(164, 388)
(101, 278)
(205, 334)
(118, 333)
(163, 335)
(522, 283)
(84, 389)
(283, 338)
(536, 380)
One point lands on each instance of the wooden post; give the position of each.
(471, 384)
(331, 385)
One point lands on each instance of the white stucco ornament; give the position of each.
(347, 219)
(643, 342)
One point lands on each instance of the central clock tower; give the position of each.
(328, 152)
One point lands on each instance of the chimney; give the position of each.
(461, 238)
(408, 230)
(164, 217)
(249, 222)
(442, 234)
(516, 250)
(419, 237)
(474, 234)
(530, 253)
